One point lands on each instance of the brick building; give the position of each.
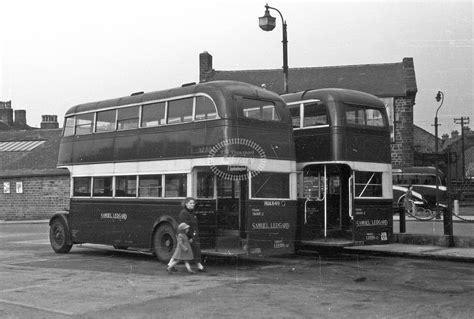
(394, 83)
(31, 185)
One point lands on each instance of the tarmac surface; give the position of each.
(405, 245)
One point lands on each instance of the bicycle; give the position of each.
(419, 211)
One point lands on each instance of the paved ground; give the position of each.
(94, 282)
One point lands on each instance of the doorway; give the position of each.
(326, 202)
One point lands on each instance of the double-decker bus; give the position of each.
(342, 142)
(133, 160)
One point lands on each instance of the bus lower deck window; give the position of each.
(175, 185)
(150, 186)
(102, 186)
(271, 185)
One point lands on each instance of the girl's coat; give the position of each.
(183, 249)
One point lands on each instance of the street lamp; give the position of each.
(267, 23)
(439, 97)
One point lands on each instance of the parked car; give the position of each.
(423, 180)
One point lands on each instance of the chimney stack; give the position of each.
(6, 112)
(49, 122)
(205, 66)
(20, 118)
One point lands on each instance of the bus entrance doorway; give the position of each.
(221, 211)
(325, 204)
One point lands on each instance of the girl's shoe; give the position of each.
(171, 270)
(202, 270)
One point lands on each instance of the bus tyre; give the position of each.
(58, 236)
(164, 242)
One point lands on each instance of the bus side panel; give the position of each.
(373, 221)
(118, 223)
(271, 225)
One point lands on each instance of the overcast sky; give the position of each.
(56, 54)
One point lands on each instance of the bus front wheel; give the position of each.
(164, 242)
(58, 236)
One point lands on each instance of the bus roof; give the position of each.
(214, 88)
(336, 95)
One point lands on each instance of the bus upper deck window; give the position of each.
(153, 114)
(205, 108)
(315, 115)
(260, 110)
(84, 123)
(358, 115)
(180, 111)
(69, 126)
(355, 115)
(295, 116)
(127, 118)
(105, 121)
(374, 118)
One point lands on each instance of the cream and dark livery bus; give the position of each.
(342, 142)
(133, 160)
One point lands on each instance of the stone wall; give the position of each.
(403, 147)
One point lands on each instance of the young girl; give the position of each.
(183, 250)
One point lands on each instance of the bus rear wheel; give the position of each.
(164, 242)
(58, 237)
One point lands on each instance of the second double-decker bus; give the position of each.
(133, 160)
(343, 155)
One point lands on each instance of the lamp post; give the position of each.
(439, 97)
(267, 23)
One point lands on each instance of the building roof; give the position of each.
(30, 153)
(382, 80)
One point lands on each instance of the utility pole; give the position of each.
(463, 121)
